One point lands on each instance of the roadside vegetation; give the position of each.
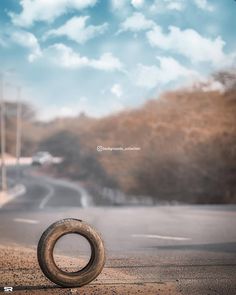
(187, 141)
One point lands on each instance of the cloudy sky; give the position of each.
(102, 56)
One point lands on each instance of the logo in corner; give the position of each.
(8, 289)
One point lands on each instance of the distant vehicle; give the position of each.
(42, 158)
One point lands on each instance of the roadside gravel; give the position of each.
(19, 269)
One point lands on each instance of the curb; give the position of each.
(16, 191)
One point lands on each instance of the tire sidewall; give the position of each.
(46, 246)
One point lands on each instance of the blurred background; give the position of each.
(184, 147)
(134, 99)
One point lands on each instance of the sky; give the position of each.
(104, 56)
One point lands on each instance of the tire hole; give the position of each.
(72, 252)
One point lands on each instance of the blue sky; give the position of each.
(102, 56)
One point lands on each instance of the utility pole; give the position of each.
(3, 136)
(18, 130)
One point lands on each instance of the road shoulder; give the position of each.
(19, 269)
(12, 193)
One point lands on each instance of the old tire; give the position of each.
(45, 253)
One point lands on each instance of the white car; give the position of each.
(42, 158)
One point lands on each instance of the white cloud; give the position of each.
(78, 106)
(188, 43)
(213, 85)
(119, 4)
(75, 29)
(66, 57)
(46, 10)
(161, 6)
(107, 62)
(125, 4)
(169, 70)
(204, 5)
(117, 90)
(175, 6)
(27, 40)
(137, 3)
(136, 22)
(124, 8)
(69, 110)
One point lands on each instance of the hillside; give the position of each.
(187, 141)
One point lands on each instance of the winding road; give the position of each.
(44, 192)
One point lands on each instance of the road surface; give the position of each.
(174, 249)
(44, 192)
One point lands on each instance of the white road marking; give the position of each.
(86, 199)
(46, 199)
(160, 237)
(31, 221)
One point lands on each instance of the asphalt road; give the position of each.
(44, 192)
(193, 246)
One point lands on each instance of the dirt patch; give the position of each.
(19, 269)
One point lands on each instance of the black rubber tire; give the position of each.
(45, 253)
